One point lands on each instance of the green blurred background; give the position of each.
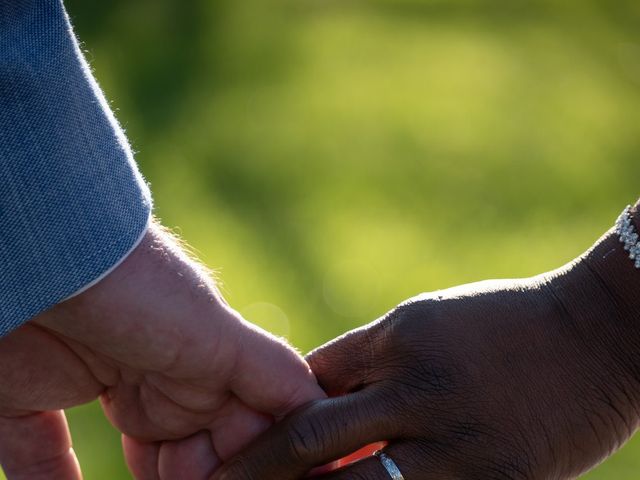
(332, 158)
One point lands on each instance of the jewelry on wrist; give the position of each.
(628, 235)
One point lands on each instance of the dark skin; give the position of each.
(536, 378)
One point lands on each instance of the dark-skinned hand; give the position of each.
(535, 378)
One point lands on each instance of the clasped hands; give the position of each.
(514, 379)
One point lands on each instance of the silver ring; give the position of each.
(389, 465)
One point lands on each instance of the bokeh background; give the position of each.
(332, 158)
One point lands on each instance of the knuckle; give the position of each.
(303, 442)
(501, 461)
(502, 469)
(357, 476)
(416, 322)
(471, 462)
(238, 468)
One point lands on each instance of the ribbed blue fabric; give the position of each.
(72, 202)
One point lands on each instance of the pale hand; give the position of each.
(181, 374)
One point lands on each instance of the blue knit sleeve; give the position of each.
(72, 202)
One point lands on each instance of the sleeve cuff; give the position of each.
(73, 204)
(107, 272)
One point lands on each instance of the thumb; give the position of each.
(343, 365)
(270, 376)
(314, 435)
(38, 447)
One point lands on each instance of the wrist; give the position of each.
(596, 323)
(158, 299)
(611, 266)
(601, 293)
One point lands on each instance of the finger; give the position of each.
(344, 364)
(319, 433)
(415, 462)
(369, 468)
(149, 415)
(142, 458)
(38, 447)
(235, 427)
(272, 377)
(193, 458)
(357, 455)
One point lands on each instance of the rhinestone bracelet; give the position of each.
(628, 235)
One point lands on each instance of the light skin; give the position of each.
(535, 379)
(179, 372)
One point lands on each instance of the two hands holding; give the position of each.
(536, 378)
